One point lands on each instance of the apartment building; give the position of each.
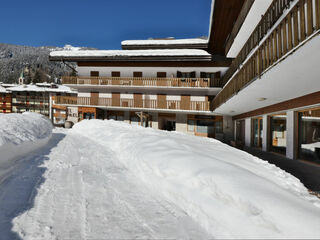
(169, 87)
(5, 100)
(254, 81)
(39, 98)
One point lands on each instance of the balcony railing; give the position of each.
(143, 81)
(299, 24)
(132, 103)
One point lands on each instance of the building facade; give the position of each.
(38, 98)
(167, 89)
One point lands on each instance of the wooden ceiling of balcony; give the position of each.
(225, 14)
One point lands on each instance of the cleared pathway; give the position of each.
(76, 189)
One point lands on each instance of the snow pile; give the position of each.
(2, 89)
(228, 192)
(21, 134)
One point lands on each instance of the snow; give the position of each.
(131, 53)
(229, 192)
(87, 193)
(108, 179)
(165, 42)
(3, 90)
(35, 88)
(19, 135)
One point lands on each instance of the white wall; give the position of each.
(265, 133)
(147, 71)
(181, 123)
(290, 151)
(248, 132)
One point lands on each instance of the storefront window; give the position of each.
(309, 135)
(134, 120)
(205, 126)
(279, 133)
(190, 125)
(112, 117)
(257, 132)
(219, 126)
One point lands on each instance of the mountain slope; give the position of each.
(34, 61)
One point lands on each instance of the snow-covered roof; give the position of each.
(165, 42)
(35, 88)
(131, 53)
(3, 90)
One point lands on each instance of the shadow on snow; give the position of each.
(18, 191)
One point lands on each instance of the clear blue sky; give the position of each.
(101, 24)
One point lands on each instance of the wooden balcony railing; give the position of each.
(131, 103)
(300, 23)
(267, 21)
(143, 81)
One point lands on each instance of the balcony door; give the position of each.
(137, 98)
(94, 75)
(162, 101)
(185, 102)
(94, 98)
(161, 82)
(116, 99)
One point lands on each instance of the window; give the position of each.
(309, 135)
(203, 126)
(137, 74)
(191, 124)
(161, 74)
(278, 133)
(115, 74)
(94, 74)
(186, 74)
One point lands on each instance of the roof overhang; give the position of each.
(195, 43)
(223, 13)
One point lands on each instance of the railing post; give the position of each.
(317, 6)
(309, 17)
(302, 20)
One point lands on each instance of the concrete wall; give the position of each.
(248, 132)
(181, 123)
(290, 151)
(265, 134)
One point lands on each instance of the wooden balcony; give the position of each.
(300, 23)
(131, 103)
(143, 81)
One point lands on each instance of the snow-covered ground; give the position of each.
(107, 179)
(19, 135)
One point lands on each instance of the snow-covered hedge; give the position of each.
(231, 193)
(21, 134)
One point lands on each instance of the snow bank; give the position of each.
(21, 134)
(231, 193)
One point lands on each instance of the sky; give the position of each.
(101, 24)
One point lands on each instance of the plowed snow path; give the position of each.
(87, 194)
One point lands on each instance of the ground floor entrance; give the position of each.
(294, 134)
